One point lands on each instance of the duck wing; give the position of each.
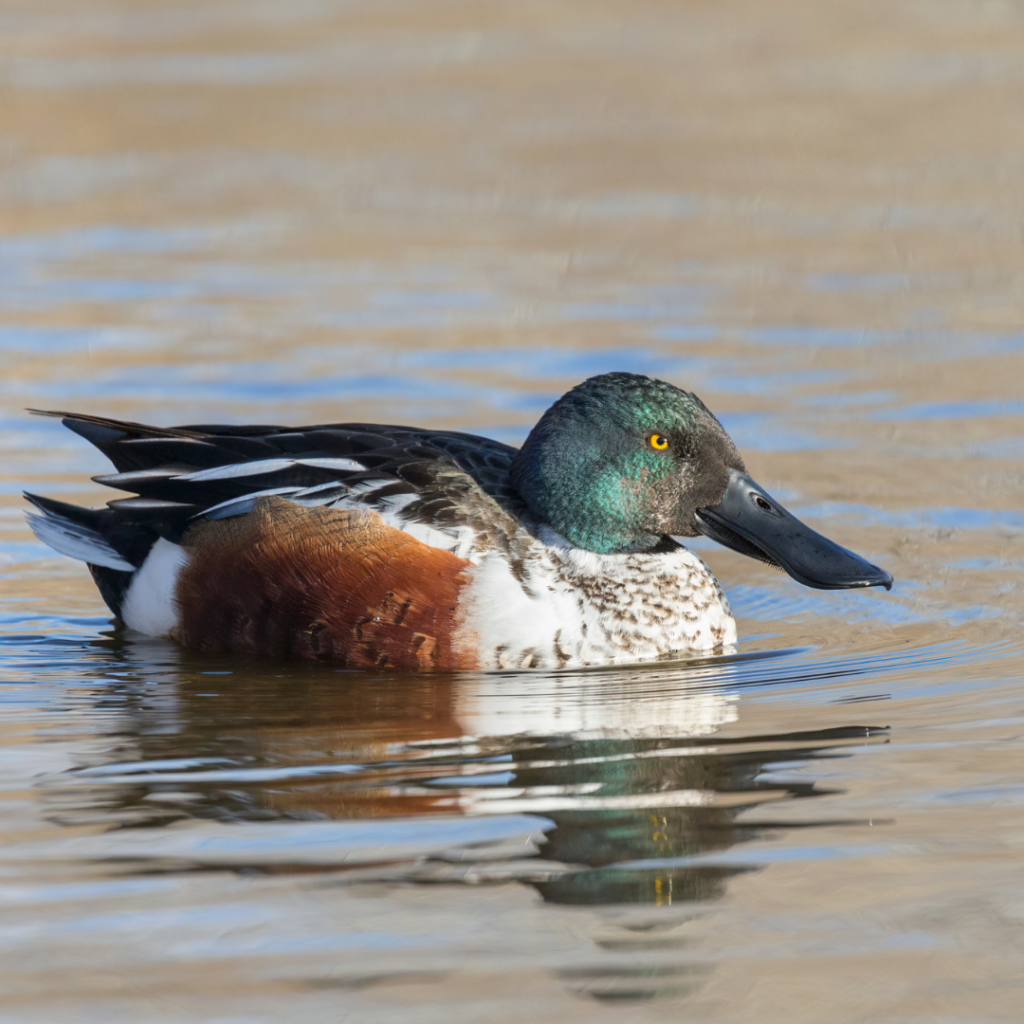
(445, 481)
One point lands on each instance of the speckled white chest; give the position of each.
(563, 606)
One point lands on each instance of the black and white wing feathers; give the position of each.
(443, 480)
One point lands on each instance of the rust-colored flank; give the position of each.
(321, 584)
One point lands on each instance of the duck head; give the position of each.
(623, 461)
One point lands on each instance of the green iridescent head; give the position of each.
(622, 461)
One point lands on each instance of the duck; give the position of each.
(393, 547)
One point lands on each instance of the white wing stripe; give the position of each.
(347, 465)
(239, 469)
(262, 466)
(312, 492)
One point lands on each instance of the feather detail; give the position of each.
(76, 541)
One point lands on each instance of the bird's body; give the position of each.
(369, 545)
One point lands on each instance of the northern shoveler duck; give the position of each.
(386, 546)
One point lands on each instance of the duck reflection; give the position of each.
(636, 774)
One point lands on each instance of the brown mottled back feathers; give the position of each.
(321, 584)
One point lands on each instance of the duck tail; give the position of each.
(76, 532)
(112, 548)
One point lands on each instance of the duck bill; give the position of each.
(750, 521)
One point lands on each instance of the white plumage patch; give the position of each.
(151, 606)
(565, 606)
(460, 541)
(259, 467)
(76, 541)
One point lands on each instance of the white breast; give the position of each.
(564, 606)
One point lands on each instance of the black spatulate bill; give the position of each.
(750, 521)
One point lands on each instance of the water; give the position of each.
(447, 215)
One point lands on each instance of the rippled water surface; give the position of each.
(447, 214)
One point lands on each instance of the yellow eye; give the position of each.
(659, 441)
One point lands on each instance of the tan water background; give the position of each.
(447, 213)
